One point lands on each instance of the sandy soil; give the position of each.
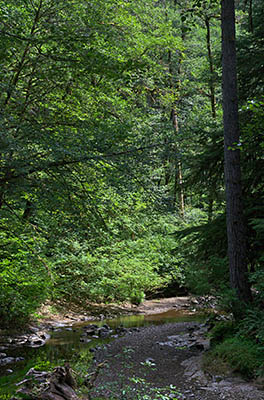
(62, 313)
(163, 305)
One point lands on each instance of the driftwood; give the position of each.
(62, 385)
(57, 385)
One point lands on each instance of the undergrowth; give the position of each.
(236, 347)
(241, 355)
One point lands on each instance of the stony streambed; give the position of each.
(165, 355)
(164, 348)
(59, 340)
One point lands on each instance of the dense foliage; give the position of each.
(111, 150)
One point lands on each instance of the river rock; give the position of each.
(107, 327)
(91, 329)
(37, 340)
(104, 331)
(121, 330)
(193, 369)
(84, 319)
(85, 340)
(7, 360)
(9, 371)
(197, 346)
(10, 360)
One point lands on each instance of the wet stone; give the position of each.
(85, 340)
(10, 360)
(7, 360)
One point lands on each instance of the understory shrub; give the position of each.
(242, 355)
(202, 245)
(252, 325)
(117, 273)
(238, 346)
(221, 331)
(137, 260)
(23, 279)
(23, 287)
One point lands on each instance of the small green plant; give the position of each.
(138, 389)
(128, 350)
(149, 364)
(44, 365)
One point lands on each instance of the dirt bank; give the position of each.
(63, 313)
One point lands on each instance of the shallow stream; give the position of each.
(65, 342)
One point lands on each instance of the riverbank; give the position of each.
(157, 357)
(146, 355)
(52, 313)
(154, 357)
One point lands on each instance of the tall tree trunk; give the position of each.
(178, 178)
(236, 232)
(213, 103)
(211, 65)
(250, 15)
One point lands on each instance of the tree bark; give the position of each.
(236, 232)
(213, 103)
(211, 65)
(178, 178)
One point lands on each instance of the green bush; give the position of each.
(221, 331)
(252, 325)
(23, 287)
(126, 268)
(23, 284)
(118, 273)
(242, 355)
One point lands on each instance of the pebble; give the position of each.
(9, 371)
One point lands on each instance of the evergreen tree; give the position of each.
(236, 231)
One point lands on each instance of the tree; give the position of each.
(236, 231)
(77, 140)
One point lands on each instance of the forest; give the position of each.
(120, 179)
